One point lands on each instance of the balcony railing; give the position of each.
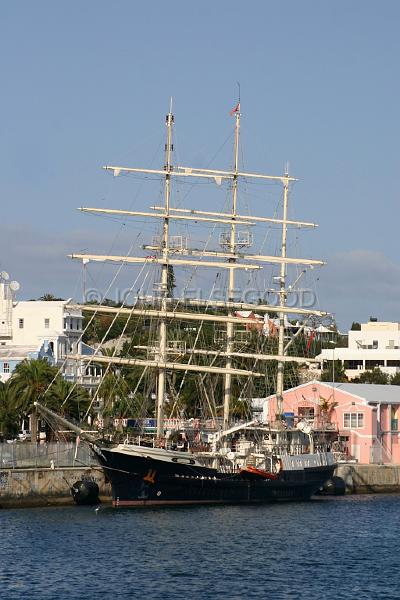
(85, 380)
(317, 424)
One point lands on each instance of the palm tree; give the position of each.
(241, 408)
(112, 389)
(327, 407)
(67, 398)
(9, 419)
(28, 383)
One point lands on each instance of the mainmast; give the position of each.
(231, 280)
(282, 295)
(162, 348)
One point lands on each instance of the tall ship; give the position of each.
(215, 449)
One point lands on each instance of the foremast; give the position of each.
(231, 277)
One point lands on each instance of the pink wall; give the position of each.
(362, 434)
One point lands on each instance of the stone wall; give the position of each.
(369, 479)
(44, 487)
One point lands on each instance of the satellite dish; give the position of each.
(4, 275)
(14, 286)
(304, 426)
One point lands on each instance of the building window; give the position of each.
(6, 367)
(371, 364)
(21, 323)
(393, 363)
(46, 323)
(306, 413)
(353, 420)
(353, 364)
(65, 323)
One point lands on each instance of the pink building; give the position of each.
(365, 416)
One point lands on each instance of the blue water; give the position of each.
(340, 548)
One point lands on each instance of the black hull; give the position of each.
(142, 481)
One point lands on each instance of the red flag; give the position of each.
(310, 340)
(235, 110)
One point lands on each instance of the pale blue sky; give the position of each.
(88, 82)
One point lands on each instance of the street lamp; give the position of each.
(333, 366)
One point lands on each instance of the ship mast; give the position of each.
(230, 259)
(162, 348)
(282, 295)
(231, 280)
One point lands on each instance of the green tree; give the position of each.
(355, 326)
(114, 391)
(9, 418)
(241, 409)
(395, 379)
(334, 371)
(48, 297)
(171, 282)
(375, 376)
(67, 398)
(28, 383)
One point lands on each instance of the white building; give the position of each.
(56, 321)
(38, 328)
(377, 344)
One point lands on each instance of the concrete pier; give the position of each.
(46, 486)
(369, 479)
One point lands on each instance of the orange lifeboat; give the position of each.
(254, 473)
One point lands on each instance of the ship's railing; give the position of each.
(149, 424)
(302, 461)
(62, 454)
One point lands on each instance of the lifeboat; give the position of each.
(250, 472)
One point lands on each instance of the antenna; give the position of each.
(4, 275)
(238, 84)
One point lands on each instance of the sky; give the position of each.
(89, 83)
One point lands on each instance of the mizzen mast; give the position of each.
(282, 295)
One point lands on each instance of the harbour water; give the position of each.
(329, 548)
